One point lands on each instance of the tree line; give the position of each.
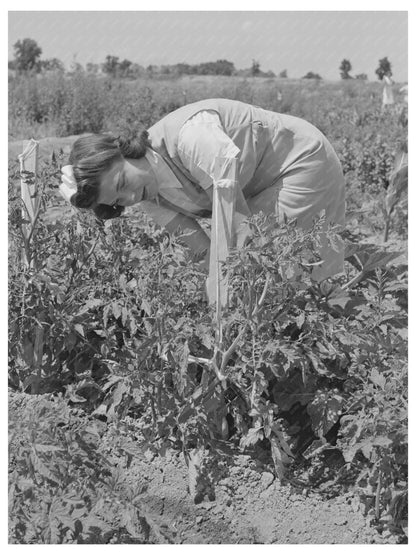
(27, 58)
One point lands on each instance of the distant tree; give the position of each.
(312, 75)
(110, 66)
(27, 54)
(183, 69)
(76, 67)
(124, 68)
(283, 74)
(345, 69)
(384, 68)
(223, 67)
(136, 70)
(255, 68)
(206, 68)
(361, 76)
(51, 64)
(269, 73)
(220, 67)
(92, 68)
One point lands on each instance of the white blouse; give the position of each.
(201, 140)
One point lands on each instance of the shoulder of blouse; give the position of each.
(204, 117)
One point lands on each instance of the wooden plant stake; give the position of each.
(222, 230)
(30, 212)
(28, 189)
(222, 240)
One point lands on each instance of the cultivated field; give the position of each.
(119, 430)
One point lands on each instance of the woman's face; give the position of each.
(127, 182)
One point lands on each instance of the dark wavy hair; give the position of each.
(91, 156)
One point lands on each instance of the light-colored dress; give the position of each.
(311, 182)
(388, 96)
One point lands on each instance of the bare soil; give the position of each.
(251, 506)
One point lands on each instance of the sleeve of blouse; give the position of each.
(201, 140)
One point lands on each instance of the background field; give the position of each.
(348, 112)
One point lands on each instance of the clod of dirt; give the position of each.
(266, 480)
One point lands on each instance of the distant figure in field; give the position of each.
(388, 96)
(405, 91)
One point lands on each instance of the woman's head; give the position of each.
(92, 157)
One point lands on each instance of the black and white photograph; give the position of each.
(207, 284)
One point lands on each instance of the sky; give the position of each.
(296, 41)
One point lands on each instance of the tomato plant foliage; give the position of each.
(111, 321)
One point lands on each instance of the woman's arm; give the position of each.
(193, 237)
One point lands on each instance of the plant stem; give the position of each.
(359, 277)
(386, 229)
(377, 502)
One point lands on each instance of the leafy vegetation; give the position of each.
(110, 335)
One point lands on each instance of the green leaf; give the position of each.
(347, 339)
(91, 303)
(124, 315)
(146, 307)
(93, 521)
(42, 469)
(116, 308)
(300, 320)
(382, 441)
(78, 328)
(315, 448)
(28, 351)
(47, 448)
(252, 437)
(377, 378)
(370, 256)
(122, 281)
(111, 381)
(131, 521)
(380, 260)
(367, 446)
(287, 393)
(74, 397)
(101, 410)
(118, 393)
(66, 520)
(339, 298)
(25, 484)
(324, 411)
(280, 454)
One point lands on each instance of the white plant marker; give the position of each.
(222, 240)
(30, 211)
(28, 188)
(222, 229)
